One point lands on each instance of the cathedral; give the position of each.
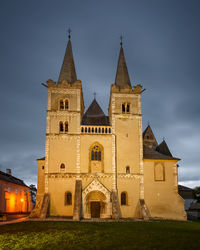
(103, 166)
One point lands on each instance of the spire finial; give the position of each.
(69, 32)
(148, 123)
(95, 95)
(163, 138)
(121, 39)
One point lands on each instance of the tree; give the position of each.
(197, 193)
(33, 191)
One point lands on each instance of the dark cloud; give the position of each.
(161, 44)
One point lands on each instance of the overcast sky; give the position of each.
(162, 50)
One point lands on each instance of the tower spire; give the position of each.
(68, 71)
(122, 77)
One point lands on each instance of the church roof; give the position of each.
(95, 115)
(10, 178)
(68, 71)
(122, 77)
(151, 149)
(149, 138)
(163, 148)
(150, 153)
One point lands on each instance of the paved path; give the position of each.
(13, 221)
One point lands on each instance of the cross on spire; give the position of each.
(121, 39)
(94, 95)
(69, 32)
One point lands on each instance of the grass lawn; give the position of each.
(104, 235)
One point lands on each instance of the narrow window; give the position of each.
(92, 130)
(99, 158)
(42, 167)
(66, 104)
(62, 166)
(127, 170)
(95, 155)
(88, 130)
(95, 130)
(99, 130)
(82, 130)
(123, 108)
(92, 156)
(109, 130)
(66, 126)
(106, 130)
(123, 198)
(61, 104)
(85, 130)
(61, 127)
(68, 198)
(128, 108)
(102, 130)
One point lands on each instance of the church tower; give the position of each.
(62, 149)
(126, 120)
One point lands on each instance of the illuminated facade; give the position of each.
(99, 166)
(14, 195)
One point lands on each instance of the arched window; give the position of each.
(127, 170)
(61, 127)
(82, 130)
(66, 104)
(123, 108)
(96, 153)
(127, 108)
(61, 104)
(123, 198)
(62, 166)
(68, 198)
(66, 126)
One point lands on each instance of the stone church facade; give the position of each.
(99, 166)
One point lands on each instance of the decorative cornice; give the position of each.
(92, 175)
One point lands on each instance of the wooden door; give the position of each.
(95, 209)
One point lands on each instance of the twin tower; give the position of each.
(99, 166)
